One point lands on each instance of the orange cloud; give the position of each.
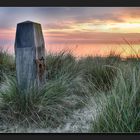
(91, 37)
(8, 34)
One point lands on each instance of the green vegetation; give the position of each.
(112, 82)
(122, 110)
(7, 65)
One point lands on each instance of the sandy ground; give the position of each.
(79, 122)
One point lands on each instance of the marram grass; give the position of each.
(121, 112)
(71, 82)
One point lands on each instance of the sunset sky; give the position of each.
(74, 26)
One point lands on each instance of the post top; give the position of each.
(28, 22)
(29, 34)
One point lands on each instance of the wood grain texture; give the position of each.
(29, 46)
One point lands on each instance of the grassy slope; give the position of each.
(70, 84)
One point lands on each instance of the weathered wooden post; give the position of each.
(30, 55)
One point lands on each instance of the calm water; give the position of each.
(82, 50)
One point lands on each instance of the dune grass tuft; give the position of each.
(122, 110)
(111, 81)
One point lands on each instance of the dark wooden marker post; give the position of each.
(30, 55)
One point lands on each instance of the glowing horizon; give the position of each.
(88, 26)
